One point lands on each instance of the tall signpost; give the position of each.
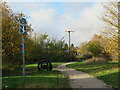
(23, 31)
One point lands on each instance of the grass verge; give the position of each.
(18, 70)
(42, 79)
(54, 64)
(36, 79)
(106, 71)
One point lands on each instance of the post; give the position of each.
(69, 46)
(22, 32)
(23, 55)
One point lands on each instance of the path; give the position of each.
(78, 79)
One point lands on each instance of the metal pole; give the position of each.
(69, 43)
(23, 55)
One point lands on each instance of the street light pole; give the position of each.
(69, 43)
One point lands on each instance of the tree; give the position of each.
(97, 37)
(95, 48)
(111, 16)
(83, 49)
(47, 48)
(110, 34)
(73, 49)
(11, 38)
(65, 48)
(106, 44)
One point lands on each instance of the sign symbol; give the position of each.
(23, 29)
(22, 25)
(23, 21)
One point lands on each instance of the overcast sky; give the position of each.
(55, 18)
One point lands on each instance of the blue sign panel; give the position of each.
(22, 25)
(22, 21)
(22, 29)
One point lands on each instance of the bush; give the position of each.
(95, 48)
(87, 56)
(107, 56)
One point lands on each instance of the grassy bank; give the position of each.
(106, 71)
(36, 79)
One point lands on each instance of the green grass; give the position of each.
(18, 70)
(54, 64)
(36, 79)
(106, 71)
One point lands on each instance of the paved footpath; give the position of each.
(78, 79)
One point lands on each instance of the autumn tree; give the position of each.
(11, 38)
(110, 34)
(83, 49)
(106, 46)
(95, 48)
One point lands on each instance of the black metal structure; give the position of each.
(44, 65)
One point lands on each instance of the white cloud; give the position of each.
(85, 24)
(43, 15)
(88, 24)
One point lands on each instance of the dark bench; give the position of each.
(44, 65)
